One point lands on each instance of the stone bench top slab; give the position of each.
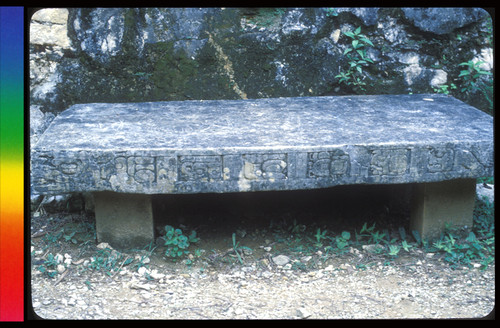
(262, 144)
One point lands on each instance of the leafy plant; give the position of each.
(342, 241)
(394, 250)
(357, 60)
(108, 260)
(444, 88)
(364, 232)
(320, 236)
(406, 246)
(238, 250)
(471, 74)
(467, 250)
(49, 266)
(339, 243)
(370, 235)
(177, 243)
(331, 12)
(473, 80)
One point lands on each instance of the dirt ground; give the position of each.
(275, 267)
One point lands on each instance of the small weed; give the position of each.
(239, 250)
(471, 75)
(394, 250)
(406, 246)
(342, 241)
(331, 12)
(177, 243)
(107, 260)
(52, 239)
(369, 235)
(478, 247)
(357, 60)
(320, 236)
(476, 79)
(444, 88)
(49, 267)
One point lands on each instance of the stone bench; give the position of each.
(124, 153)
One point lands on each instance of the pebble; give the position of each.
(143, 259)
(281, 260)
(60, 268)
(305, 259)
(59, 258)
(303, 313)
(103, 246)
(143, 271)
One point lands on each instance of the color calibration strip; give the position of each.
(11, 163)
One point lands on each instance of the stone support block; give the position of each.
(124, 220)
(436, 204)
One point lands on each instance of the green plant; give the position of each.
(490, 180)
(108, 260)
(297, 228)
(370, 235)
(484, 222)
(444, 88)
(238, 250)
(394, 250)
(177, 243)
(364, 232)
(465, 251)
(342, 241)
(356, 59)
(406, 246)
(53, 238)
(320, 236)
(49, 266)
(473, 80)
(471, 74)
(331, 12)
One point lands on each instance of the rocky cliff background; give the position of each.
(81, 55)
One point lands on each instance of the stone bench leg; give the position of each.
(124, 220)
(436, 203)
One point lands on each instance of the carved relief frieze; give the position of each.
(440, 159)
(200, 168)
(392, 161)
(265, 166)
(328, 164)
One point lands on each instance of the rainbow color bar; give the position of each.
(11, 163)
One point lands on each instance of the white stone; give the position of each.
(488, 192)
(411, 72)
(59, 258)
(409, 58)
(486, 57)
(440, 78)
(61, 268)
(281, 260)
(303, 313)
(143, 271)
(51, 15)
(103, 246)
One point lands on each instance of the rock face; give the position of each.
(439, 21)
(262, 144)
(155, 54)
